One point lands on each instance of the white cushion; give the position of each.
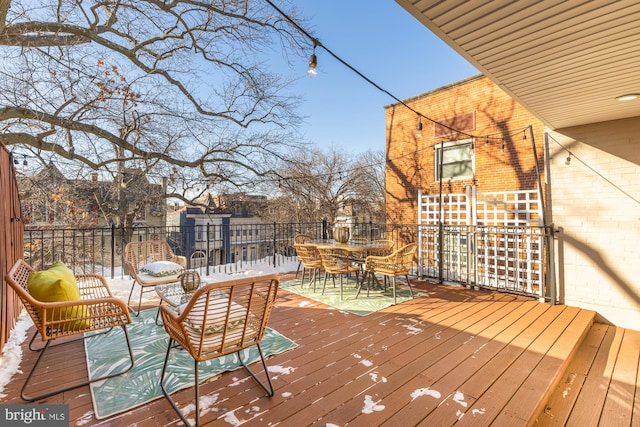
(162, 268)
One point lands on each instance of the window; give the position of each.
(457, 160)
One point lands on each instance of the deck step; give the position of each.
(551, 352)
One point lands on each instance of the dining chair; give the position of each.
(309, 257)
(297, 240)
(220, 319)
(396, 264)
(337, 261)
(65, 307)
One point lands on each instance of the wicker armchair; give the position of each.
(137, 254)
(97, 310)
(398, 263)
(297, 240)
(338, 261)
(310, 259)
(220, 319)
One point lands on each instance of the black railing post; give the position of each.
(440, 252)
(113, 251)
(324, 229)
(551, 264)
(122, 245)
(273, 247)
(208, 243)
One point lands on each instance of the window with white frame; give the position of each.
(455, 160)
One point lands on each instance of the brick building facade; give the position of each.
(492, 150)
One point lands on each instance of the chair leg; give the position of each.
(361, 284)
(269, 390)
(134, 312)
(409, 284)
(394, 291)
(196, 371)
(304, 269)
(42, 351)
(166, 393)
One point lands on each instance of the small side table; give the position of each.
(174, 295)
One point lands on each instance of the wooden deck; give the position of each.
(459, 357)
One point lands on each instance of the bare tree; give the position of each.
(174, 89)
(370, 169)
(327, 184)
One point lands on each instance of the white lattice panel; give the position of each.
(489, 239)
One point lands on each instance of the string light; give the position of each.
(568, 161)
(313, 61)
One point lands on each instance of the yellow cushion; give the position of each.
(58, 284)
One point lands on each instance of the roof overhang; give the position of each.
(566, 62)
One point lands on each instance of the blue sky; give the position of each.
(386, 44)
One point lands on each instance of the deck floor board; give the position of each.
(457, 356)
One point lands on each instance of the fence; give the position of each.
(505, 258)
(10, 243)
(512, 259)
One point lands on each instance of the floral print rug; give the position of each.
(108, 352)
(363, 305)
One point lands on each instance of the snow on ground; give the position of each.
(120, 287)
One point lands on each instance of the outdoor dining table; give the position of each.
(352, 247)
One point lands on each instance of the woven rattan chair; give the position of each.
(97, 310)
(337, 261)
(398, 263)
(137, 254)
(298, 240)
(359, 256)
(220, 319)
(310, 259)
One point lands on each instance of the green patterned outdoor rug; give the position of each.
(363, 305)
(149, 341)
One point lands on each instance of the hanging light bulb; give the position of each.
(568, 161)
(502, 146)
(313, 63)
(419, 125)
(486, 141)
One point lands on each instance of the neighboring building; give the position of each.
(500, 160)
(225, 229)
(467, 161)
(576, 68)
(591, 183)
(49, 199)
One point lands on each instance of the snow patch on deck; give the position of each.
(425, 392)
(370, 406)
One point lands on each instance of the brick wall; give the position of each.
(410, 154)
